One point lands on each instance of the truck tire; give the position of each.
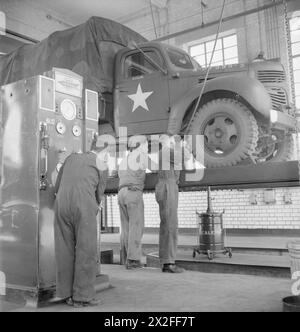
(230, 132)
(283, 150)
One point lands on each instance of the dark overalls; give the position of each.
(166, 193)
(80, 186)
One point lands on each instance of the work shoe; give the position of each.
(133, 265)
(172, 268)
(93, 303)
(69, 301)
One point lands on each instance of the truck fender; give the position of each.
(250, 89)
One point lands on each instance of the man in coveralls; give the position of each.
(79, 189)
(167, 192)
(131, 204)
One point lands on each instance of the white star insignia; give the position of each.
(140, 99)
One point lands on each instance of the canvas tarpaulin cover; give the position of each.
(88, 49)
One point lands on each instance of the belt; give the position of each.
(130, 187)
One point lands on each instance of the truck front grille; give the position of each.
(278, 96)
(271, 76)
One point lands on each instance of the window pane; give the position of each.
(296, 49)
(138, 65)
(218, 56)
(226, 47)
(201, 60)
(295, 36)
(295, 23)
(231, 52)
(297, 76)
(230, 41)
(180, 59)
(197, 50)
(210, 46)
(296, 63)
(232, 61)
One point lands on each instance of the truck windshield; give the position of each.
(180, 59)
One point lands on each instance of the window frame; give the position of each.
(131, 54)
(207, 54)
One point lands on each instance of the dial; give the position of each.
(60, 128)
(68, 109)
(76, 131)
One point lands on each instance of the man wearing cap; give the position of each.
(132, 174)
(79, 189)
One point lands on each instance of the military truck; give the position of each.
(245, 112)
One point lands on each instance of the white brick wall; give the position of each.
(239, 213)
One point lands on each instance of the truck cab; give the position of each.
(158, 85)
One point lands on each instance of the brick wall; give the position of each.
(240, 213)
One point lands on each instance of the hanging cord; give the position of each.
(208, 69)
(153, 20)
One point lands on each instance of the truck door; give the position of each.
(142, 93)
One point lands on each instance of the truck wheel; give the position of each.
(276, 147)
(230, 132)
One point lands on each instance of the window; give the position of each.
(180, 59)
(226, 52)
(138, 64)
(295, 38)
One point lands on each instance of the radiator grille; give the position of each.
(271, 76)
(278, 96)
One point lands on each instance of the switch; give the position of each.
(61, 128)
(76, 131)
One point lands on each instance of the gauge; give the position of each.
(76, 131)
(60, 128)
(68, 109)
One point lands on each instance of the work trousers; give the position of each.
(131, 206)
(76, 245)
(166, 193)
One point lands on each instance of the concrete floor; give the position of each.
(150, 290)
(274, 242)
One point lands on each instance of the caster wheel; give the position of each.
(194, 254)
(210, 256)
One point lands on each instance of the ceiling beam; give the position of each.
(274, 3)
(159, 3)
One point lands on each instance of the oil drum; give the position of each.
(211, 232)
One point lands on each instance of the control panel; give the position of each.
(70, 117)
